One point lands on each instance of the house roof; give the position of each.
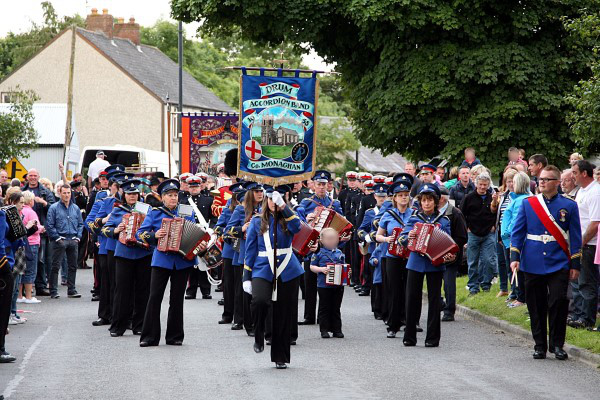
(49, 123)
(155, 71)
(373, 161)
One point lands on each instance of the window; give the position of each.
(6, 97)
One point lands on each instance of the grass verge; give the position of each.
(489, 304)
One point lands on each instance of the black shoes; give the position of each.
(258, 349)
(268, 341)
(42, 292)
(115, 334)
(137, 333)
(293, 343)
(190, 296)
(224, 321)
(95, 298)
(206, 297)
(100, 322)
(250, 333)
(74, 295)
(237, 327)
(364, 293)
(448, 317)
(175, 342)
(55, 296)
(307, 322)
(148, 344)
(279, 365)
(221, 302)
(429, 344)
(559, 353)
(338, 335)
(325, 335)
(419, 329)
(391, 334)
(408, 343)
(539, 355)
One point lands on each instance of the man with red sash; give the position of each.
(546, 246)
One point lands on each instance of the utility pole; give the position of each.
(179, 128)
(68, 133)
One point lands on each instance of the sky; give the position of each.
(17, 16)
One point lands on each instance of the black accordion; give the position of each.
(16, 228)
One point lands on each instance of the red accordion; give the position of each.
(328, 218)
(183, 237)
(304, 239)
(132, 221)
(395, 248)
(432, 242)
(338, 274)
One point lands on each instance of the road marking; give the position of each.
(14, 383)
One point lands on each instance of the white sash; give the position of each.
(269, 255)
(202, 222)
(540, 197)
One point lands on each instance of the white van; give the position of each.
(133, 158)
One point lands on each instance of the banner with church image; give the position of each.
(277, 142)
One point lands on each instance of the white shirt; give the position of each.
(588, 200)
(97, 166)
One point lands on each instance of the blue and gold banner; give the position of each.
(277, 128)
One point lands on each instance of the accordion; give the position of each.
(432, 242)
(338, 274)
(183, 237)
(304, 239)
(395, 248)
(132, 221)
(328, 218)
(16, 228)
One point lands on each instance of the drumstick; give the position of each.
(514, 279)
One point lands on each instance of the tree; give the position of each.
(585, 118)
(432, 77)
(334, 138)
(17, 133)
(15, 49)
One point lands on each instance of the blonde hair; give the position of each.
(28, 197)
(478, 169)
(577, 156)
(521, 183)
(47, 183)
(508, 173)
(12, 189)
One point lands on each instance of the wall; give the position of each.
(45, 160)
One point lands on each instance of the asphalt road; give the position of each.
(62, 356)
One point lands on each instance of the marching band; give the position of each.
(360, 239)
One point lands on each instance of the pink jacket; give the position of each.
(28, 215)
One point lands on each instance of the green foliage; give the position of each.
(585, 119)
(18, 48)
(17, 133)
(432, 77)
(334, 138)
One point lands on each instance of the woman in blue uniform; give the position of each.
(7, 261)
(132, 268)
(227, 256)
(258, 273)
(166, 266)
(395, 267)
(420, 267)
(238, 228)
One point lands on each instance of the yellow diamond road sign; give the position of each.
(15, 169)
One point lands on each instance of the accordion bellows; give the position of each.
(328, 218)
(183, 237)
(338, 274)
(305, 239)
(432, 242)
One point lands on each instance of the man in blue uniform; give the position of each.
(305, 211)
(546, 246)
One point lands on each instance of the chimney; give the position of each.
(103, 23)
(127, 30)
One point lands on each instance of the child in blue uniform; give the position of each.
(259, 270)
(330, 297)
(420, 267)
(166, 266)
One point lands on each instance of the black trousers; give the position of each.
(107, 288)
(547, 301)
(355, 264)
(158, 284)
(396, 280)
(6, 292)
(310, 293)
(450, 290)
(198, 279)
(366, 272)
(385, 292)
(330, 304)
(132, 282)
(82, 251)
(61, 249)
(238, 294)
(247, 312)
(282, 315)
(414, 295)
(294, 331)
(228, 290)
(96, 272)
